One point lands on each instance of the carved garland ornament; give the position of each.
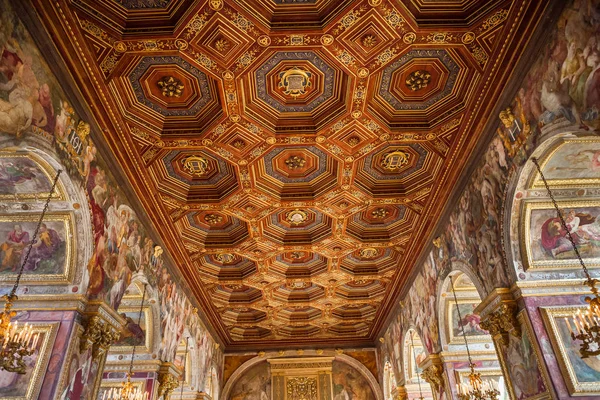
(502, 322)
(98, 335)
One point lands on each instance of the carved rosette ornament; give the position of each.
(434, 375)
(98, 335)
(166, 384)
(502, 323)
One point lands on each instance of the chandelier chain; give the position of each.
(462, 327)
(416, 366)
(138, 322)
(13, 291)
(562, 219)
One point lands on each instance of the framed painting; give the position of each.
(544, 242)
(493, 375)
(51, 257)
(582, 376)
(574, 162)
(469, 320)
(180, 360)
(521, 365)
(413, 369)
(14, 386)
(133, 334)
(25, 176)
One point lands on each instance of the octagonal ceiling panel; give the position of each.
(296, 147)
(295, 92)
(196, 176)
(169, 93)
(296, 173)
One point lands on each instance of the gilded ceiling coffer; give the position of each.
(170, 86)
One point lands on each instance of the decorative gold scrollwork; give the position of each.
(502, 323)
(166, 384)
(98, 335)
(434, 375)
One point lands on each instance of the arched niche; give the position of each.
(414, 353)
(538, 246)
(389, 381)
(145, 335)
(62, 248)
(256, 369)
(481, 345)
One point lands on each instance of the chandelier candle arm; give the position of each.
(587, 325)
(16, 344)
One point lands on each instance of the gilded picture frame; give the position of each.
(148, 330)
(527, 329)
(450, 311)
(552, 316)
(527, 241)
(536, 181)
(36, 380)
(67, 220)
(48, 171)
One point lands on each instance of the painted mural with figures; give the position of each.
(349, 384)
(255, 384)
(561, 88)
(32, 103)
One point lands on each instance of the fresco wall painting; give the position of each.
(573, 162)
(582, 376)
(134, 334)
(545, 242)
(469, 321)
(521, 363)
(349, 384)
(51, 257)
(254, 384)
(25, 176)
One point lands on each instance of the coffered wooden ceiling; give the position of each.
(293, 154)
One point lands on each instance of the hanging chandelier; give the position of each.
(476, 388)
(128, 391)
(16, 343)
(415, 361)
(587, 324)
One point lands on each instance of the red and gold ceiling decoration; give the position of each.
(293, 154)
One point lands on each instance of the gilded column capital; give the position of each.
(499, 315)
(433, 372)
(167, 380)
(98, 335)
